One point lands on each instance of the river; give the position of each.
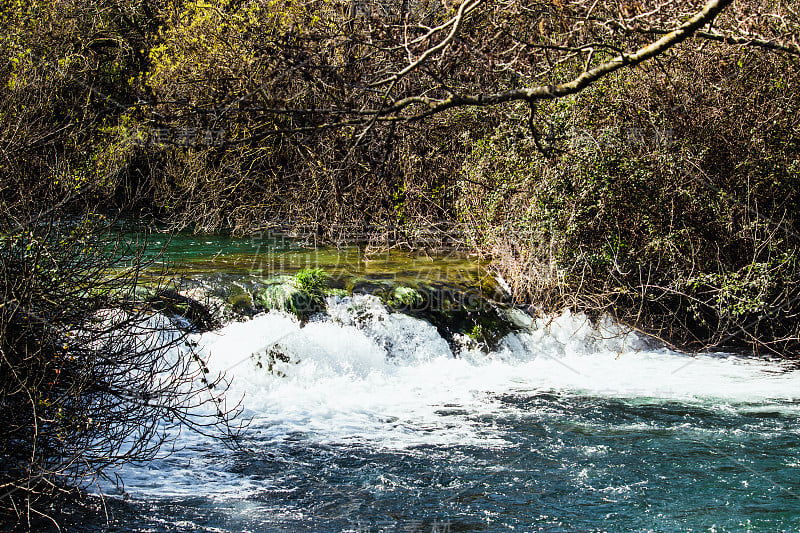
(377, 423)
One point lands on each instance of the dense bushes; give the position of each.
(219, 113)
(671, 201)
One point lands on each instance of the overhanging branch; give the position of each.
(546, 92)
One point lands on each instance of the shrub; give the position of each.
(676, 214)
(90, 377)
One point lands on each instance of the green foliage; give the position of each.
(312, 281)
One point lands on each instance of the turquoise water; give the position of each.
(571, 463)
(380, 425)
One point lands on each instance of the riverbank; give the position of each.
(656, 214)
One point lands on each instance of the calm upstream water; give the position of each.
(375, 424)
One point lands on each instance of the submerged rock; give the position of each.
(380, 288)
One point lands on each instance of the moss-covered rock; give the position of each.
(456, 312)
(303, 294)
(283, 294)
(405, 297)
(241, 302)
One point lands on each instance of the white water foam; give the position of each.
(366, 376)
(370, 375)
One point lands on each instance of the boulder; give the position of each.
(172, 303)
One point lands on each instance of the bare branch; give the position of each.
(709, 12)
